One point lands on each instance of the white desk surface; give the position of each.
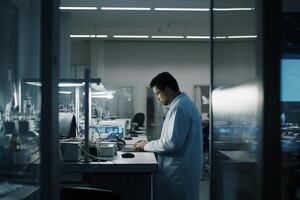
(143, 162)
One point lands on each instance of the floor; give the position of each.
(205, 184)
(204, 190)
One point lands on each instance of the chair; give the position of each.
(80, 193)
(67, 125)
(138, 120)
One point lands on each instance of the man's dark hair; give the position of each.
(163, 80)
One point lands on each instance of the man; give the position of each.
(179, 148)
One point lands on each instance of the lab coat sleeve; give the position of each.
(173, 136)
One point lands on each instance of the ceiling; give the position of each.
(152, 22)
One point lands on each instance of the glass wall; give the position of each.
(290, 101)
(236, 106)
(127, 47)
(245, 100)
(19, 114)
(290, 131)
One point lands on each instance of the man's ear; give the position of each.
(168, 90)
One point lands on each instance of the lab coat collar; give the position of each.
(176, 99)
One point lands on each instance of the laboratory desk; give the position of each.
(130, 177)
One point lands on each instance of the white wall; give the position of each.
(65, 45)
(234, 62)
(121, 63)
(136, 63)
(80, 52)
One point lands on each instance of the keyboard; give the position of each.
(129, 149)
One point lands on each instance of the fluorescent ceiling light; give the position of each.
(64, 92)
(220, 37)
(125, 8)
(167, 37)
(197, 37)
(131, 36)
(108, 92)
(70, 84)
(34, 83)
(233, 9)
(181, 9)
(107, 96)
(241, 36)
(101, 36)
(79, 36)
(98, 93)
(88, 36)
(59, 85)
(78, 8)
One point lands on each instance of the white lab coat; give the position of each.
(179, 151)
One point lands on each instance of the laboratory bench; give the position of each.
(130, 177)
(143, 162)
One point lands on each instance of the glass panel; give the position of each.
(236, 124)
(121, 106)
(19, 107)
(290, 122)
(127, 47)
(290, 102)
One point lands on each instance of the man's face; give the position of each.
(161, 96)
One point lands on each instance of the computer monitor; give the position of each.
(115, 130)
(67, 125)
(290, 73)
(290, 87)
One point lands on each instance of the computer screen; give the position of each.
(290, 81)
(116, 130)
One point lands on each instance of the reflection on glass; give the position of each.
(235, 130)
(236, 120)
(290, 121)
(19, 113)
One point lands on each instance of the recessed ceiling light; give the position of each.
(233, 9)
(241, 36)
(64, 92)
(167, 37)
(101, 36)
(79, 36)
(181, 9)
(131, 36)
(197, 37)
(77, 8)
(34, 83)
(59, 85)
(220, 37)
(70, 84)
(124, 8)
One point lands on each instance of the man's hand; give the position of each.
(140, 145)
